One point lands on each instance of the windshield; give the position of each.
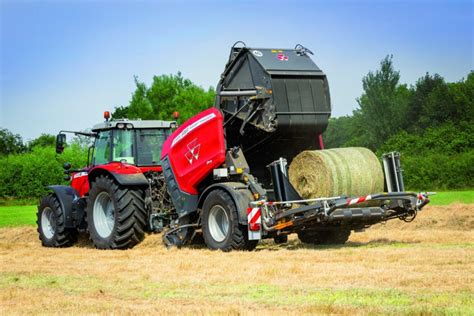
(149, 143)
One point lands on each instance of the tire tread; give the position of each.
(130, 222)
(63, 237)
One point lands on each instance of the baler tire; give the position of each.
(129, 214)
(307, 237)
(50, 214)
(326, 237)
(236, 237)
(280, 239)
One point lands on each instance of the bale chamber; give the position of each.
(275, 103)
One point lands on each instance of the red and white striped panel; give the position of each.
(359, 200)
(254, 220)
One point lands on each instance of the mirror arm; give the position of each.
(91, 134)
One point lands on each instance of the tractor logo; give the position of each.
(193, 151)
(282, 57)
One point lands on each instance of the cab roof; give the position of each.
(135, 123)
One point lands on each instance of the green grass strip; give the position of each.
(11, 216)
(449, 197)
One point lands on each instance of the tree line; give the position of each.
(431, 123)
(30, 166)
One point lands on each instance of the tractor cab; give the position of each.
(130, 141)
(133, 142)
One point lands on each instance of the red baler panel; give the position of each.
(196, 148)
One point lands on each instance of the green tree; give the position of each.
(435, 102)
(45, 140)
(26, 175)
(383, 104)
(345, 131)
(462, 95)
(10, 143)
(420, 93)
(167, 93)
(120, 112)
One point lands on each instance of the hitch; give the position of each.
(178, 236)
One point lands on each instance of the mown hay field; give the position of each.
(419, 268)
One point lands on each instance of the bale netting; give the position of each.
(353, 171)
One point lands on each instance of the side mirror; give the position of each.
(60, 143)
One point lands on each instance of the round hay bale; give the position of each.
(353, 171)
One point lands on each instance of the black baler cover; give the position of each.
(289, 120)
(284, 60)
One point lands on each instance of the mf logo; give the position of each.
(282, 57)
(193, 151)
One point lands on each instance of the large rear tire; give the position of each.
(325, 237)
(220, 224)
(116, 215)
(51, 224)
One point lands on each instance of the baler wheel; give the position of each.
(51, 224)
(325, 237)
(220, 224)
(116, 215)
(280, 239)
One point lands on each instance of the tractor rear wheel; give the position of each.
(116, 215)
(51, 224)
(325, 237)
(220, 224)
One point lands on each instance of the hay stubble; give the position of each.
(426, 266)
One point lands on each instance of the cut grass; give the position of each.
(11, 216)
(421, 268)
(264, 295)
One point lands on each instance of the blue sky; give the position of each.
(64, 62)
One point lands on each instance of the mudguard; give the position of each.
(239, 193)
(124, 174)
(66, 195)
(130, 179)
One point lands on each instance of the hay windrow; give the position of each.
(352, 171)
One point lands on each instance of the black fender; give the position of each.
(239, 192)
(122, 179)
(66, 195)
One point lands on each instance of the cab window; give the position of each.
(149, 143)
(102, 148)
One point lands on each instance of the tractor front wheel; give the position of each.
(220, 224)
(116, 215)
(51, 224)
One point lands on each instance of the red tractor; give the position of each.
(115, 197)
